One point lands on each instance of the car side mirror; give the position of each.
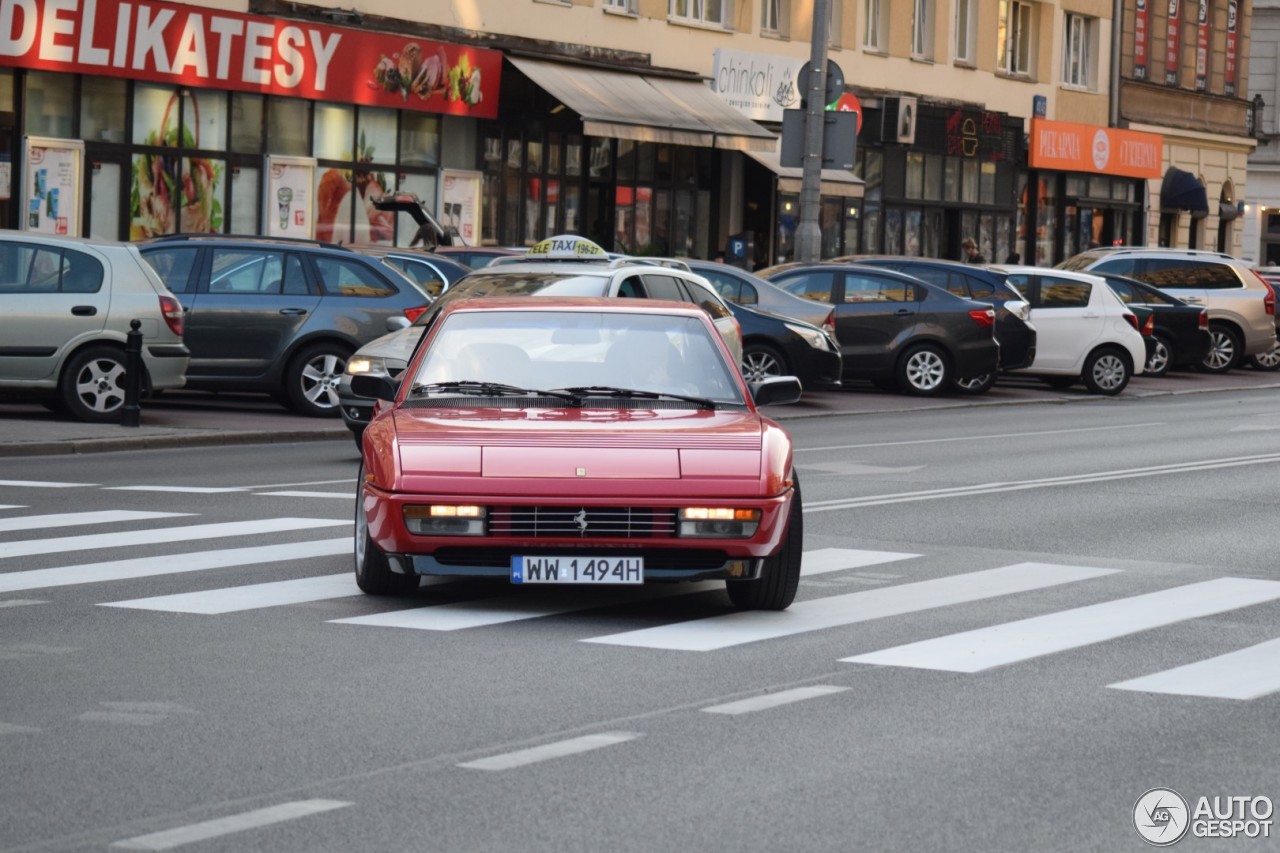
(396, 322)
(375, 386)
(775, 390)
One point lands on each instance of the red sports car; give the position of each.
(578, 441)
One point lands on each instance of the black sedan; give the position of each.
(1180, 337)
(898, 331)
(783, 346)
(1014, 331)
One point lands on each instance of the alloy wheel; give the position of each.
(925, 370)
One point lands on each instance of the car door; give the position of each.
(251, 304)
(874, 314)
(50, 299)
(1067, 326)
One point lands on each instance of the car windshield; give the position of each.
(528, 283)
(594, 352)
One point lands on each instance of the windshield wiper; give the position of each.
(495, 389)
(632, 393)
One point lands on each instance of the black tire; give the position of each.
(1160, 359)
(779, 579)
(1224, 350)
(1059, 382)
(923, 371)
(975, 385)
(1107, 371)
(311, 379)
(92, 385)
(760, 361)
(373, 570)
(1268, 361)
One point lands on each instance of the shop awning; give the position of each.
(835, 182)
(1182, 191)
(646, 108)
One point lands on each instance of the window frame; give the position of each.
(1077, 51)
(695, 13)
(1015, 38)
(922, 24)
(875, 27)
(964, 32)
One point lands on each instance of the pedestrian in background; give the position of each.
(971, 254)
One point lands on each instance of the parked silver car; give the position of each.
(65, 310)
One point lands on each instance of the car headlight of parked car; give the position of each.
(815, 338)
(373, 365)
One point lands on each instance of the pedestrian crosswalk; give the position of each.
(908, 583)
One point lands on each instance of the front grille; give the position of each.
(655, 559)
(579, 522)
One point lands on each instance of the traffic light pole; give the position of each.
(808, 231)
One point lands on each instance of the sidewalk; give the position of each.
(191, 419)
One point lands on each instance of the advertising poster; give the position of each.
(51, 182)
(460, 204)
(1229, 74)
(168, 194)
(1141, 32)
(287, 210)
(1202, 46)
(1173, 42)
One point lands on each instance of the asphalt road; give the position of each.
(210, 680)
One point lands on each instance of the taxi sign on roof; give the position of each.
(567, 247)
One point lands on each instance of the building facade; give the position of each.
(1260, 207)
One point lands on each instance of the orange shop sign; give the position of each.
(1086, 148)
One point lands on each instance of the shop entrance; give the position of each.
(105, 195)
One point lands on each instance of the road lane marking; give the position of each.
(971, 438)
(185, 490)
(11, 729)
(1244, 674)
(513, 608)
(974, 651)
(573, 746)
(346, 496)
(75, 519)
(45, 484)
(773, 700)
(252, 597)
(205, 830)
(1047, 482)
(171, 564)
(154, 536)
(20, 602)
(350, 481)
(718, 632)
(13, 506)
(824, 560)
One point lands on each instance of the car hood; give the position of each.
(397, 345)
(589, 451)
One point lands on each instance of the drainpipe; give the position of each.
(1117, 29)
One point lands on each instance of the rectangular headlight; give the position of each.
(718, 522)
(446, 520)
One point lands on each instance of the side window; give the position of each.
(241, 271)
(1124, 291)
(44, 272)
(706, 300)
(80, 273)
(339, 277)
(294, 280)
(631, 288)
(1118, 266)
(748, 295)
(727, 286)
(1062, 293)
(15, 260)
(422, 272)
(174, 267)
(815, 285)
(1021, 285)
(942, 278)
(892, 290)
(663, 287)
(1217, 277)
(1169, 272)
(978, 289)
(861, 288)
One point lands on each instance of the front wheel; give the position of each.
(759, 362)
(923, 371)
(373, 569)
(1106, 371)
(779, 579)
(311, 380)
(92, 385)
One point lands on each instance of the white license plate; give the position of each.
(584, 570)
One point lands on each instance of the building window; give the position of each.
(835, 23)
(775, 17)
(1077, 52)
(714, 12)
(965, 13)
(1015, 37)
(922, 30)
(874, 37)
(625, 7)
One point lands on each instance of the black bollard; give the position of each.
(131, 414)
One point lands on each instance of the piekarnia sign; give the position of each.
(208, 48)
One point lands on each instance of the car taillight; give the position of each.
(414, 313)
(829, 324)
(1132, 321)
(984, 317)
(1268, 301)
(173, 315)
(1203, 322)
(1149, 326)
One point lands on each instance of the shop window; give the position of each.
(333, 132)
(204, 119)
(601, 158)
(155, 116)
(202, 195)
(1014, 37)
(870, 227)
(571, 201)
(987, 183)
(1004, 242)
(912, 221)
(893, 231)
(969, 182)
(420, 139)
(49, 108)
(152, 211)
(931, 233)
(573, 155)
(246, 123)
(626, 160)
(245, 201)
(553, 153)
(288, 123)
(1168, 229)
(644, 161)
(511, 234)
(933, 177)
(1046, 223)
(424, 187)
(951, 179)
(852, 224)
(333, 204)
(102, 109)
(1077, 185)
(376, 130)
(915, 175)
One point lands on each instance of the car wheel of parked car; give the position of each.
(923, 370)
(1159, 359)
(311, 379)
(92, 387)
(779, 579)
(1268, 361)
(373, 570)
(760, 362)
(975, 385)
(1224, 351)
(1106, 371)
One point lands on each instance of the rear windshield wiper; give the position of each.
(632, 393)
(495, 389)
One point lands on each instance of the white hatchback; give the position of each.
(1084, 333)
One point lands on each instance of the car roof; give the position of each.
(1024, 269)
(575, 303)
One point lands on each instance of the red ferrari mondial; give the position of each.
(589, 441)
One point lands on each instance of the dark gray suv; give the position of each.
(278, 316)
